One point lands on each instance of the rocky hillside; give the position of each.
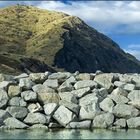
(70, 100)
(36, 40)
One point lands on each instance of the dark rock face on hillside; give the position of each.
(37, 40)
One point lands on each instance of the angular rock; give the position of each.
(14, 123)
(71, 106)
(120, 123)
(63, 115)
(105, 80)
(66, 86)
(45, 98)
(50, 108)
(134, 122)
(125, 111)
(81, 92)
(35, 118)
(51, 83)
(127, 78)
(83, 76)
(129, 87)
(89, 111)
(103, 120)
(59, 75)
(3, 98)
(3, 115)
(4, 77)
(119, 91)
(71, 80)
(17, 112)
(23, 75)
(17, 101)
(39, 88)
(29, 95)
(68, 96)
(101, 93)
(85, 83)
(38, 126)
(107, 105)
(34, 107)
(119, 99)
(135, 103)
(134, 95)
(5, 84)
(14, 90)
(82, 124)
(119, 84)
(26, 83)
(38, 77)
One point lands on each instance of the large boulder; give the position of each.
(105, 80)
(107, 105)
(52, 83)
(50, 108)
(26, 83)
(134, 122)
(64, 87)
(125, 111)
(81, 92)
(68, 96)
(17, 112)
(45, 98)
(85, 83)
(38, 77)
(34, 107)
(39, 88)
(63, 115)
(17, 101)
(71, 106)
(119, 91)
(14, 90)
(129, 87)
(3, 98)
(14, 123)
(29, 95)
(77, 125)
(121, 123)
(134, 95)
(35, 118)
(103, 120)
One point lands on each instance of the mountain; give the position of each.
(33, 39)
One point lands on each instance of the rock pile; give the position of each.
(70, 100)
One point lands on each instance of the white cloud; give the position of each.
(135, 53)
(104, 15)
(134, 46)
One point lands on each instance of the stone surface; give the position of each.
(38, 126)
(119, 84)
(63, 115)
(105, 80)
(50, 108)
(133, 122)
(54, 125)
(17, 112)
(119, 99)
(14, 90)
(71, 106)
(5, 84)
(83, 76)
(134, 95)
(17, 101)
(107, 105)
(4, 77)
(81, 92)
(26, 83)
(83, 124)
(29, 95)
(85, 83)
(35, 118)
(51, 83)
(68, 96)
(38, 77)
(66, 86)
(3, 115)
(39, 88)
(45, 98)
(3, 98)
(34, 107)
(103, 120)
(59, 75)
(119, 91)
(120, 123)
(14, 123)
(135, 103)
(125, 111)
(129, 87)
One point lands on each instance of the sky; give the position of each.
(120, 20)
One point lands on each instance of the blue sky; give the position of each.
(120, 20)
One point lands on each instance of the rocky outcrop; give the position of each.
(93, 100)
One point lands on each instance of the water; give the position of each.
(69, 134)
